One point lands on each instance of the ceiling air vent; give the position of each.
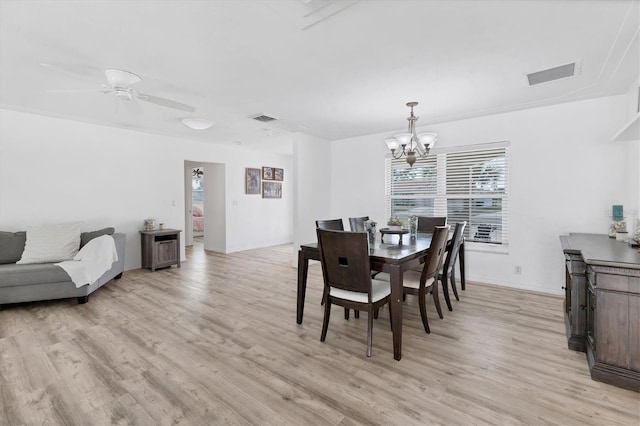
(551, 74)
(264, 118)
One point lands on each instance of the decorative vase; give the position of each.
(617, 226)
(370, 227)
(372, 235)
(413, 226)
(149, 224)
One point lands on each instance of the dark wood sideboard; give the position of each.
(602, 306)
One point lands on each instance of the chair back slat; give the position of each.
(454, 248)
(357, 223)
(427, 224)
(435, 256)
(345, 260)
(335, 224)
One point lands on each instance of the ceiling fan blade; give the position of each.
(165, 102)
(85, 72)
(79, 90)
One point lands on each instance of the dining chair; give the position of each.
(357, 223)
(449, 266)
(426, 224)
(426, 282)
(335, 224)
(347, 277)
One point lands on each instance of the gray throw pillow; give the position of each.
(85, 237)
(11, 246)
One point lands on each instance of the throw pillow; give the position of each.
(51, 243)
(85, 237)
(11, 246)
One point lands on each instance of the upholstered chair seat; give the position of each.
(379, 290)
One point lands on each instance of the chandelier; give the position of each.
(411, 143)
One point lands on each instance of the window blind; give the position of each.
(465, 184)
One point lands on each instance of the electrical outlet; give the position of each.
(518, 269)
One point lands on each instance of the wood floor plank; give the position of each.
(216, 342)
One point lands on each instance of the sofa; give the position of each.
(45, 281)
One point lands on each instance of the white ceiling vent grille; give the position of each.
(264, 118)
(551, 74)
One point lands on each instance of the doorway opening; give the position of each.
(197, 205)
(205, 206)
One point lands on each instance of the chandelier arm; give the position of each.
(397, 154)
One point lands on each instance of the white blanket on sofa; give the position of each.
(92, 261)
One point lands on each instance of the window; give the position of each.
(197, 190)
(464, 183)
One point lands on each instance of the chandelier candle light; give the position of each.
(411, 143)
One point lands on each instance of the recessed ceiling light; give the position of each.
(197, 123)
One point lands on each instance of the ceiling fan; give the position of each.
(119, 84)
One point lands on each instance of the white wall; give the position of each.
(632, 209)
(565, 174)
(54, 170)
(312, 186)
(358, 178)
(215, 207)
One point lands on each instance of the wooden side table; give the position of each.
(160, 248)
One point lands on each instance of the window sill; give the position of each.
(486, 247)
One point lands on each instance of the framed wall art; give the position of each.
(267, 173)
(252, 179)
(271, 190)
(278, 174)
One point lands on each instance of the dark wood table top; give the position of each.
(392, 252)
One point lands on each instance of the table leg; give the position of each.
(395, 275)
(303, 268)
(461, 257)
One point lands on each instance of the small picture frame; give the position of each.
(267, 173)
(278, 174)
(271, 190)
(252, 179)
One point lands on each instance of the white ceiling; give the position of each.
(329, 68)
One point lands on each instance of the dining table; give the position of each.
(394, 257)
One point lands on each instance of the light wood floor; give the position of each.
(216, 342)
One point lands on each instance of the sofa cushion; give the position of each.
(85, 237)
(51, 243)
(11, 246)
(38, 273)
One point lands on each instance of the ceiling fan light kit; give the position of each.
(411, 143)
(197, 123)
(121, 78)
